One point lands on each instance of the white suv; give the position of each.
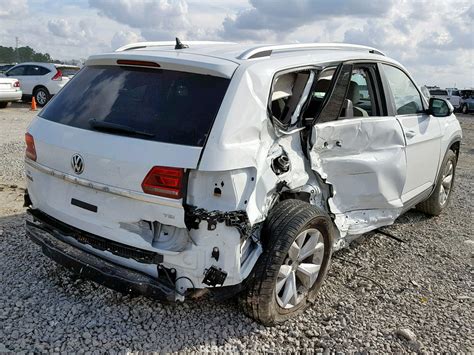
(225, 169)
(42, 80)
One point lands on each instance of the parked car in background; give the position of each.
(425, 91)
(10, 91)
(143, 175)
(5, 67)
(452, 95)
(467, 101)
(42, 80)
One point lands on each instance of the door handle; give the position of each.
(410, 134)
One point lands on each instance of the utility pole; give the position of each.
(17, 55)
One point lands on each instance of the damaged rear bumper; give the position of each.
(106, 273)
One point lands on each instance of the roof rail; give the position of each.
(139, 45)
(266, 51)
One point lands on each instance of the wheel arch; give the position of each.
(455, 146)
(39, 86)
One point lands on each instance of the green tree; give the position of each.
(24, 54)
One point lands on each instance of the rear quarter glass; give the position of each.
(171, 106)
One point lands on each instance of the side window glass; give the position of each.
(333, 100)
(406, 96)
(36, 70)
(289, 95)
(320, 90)
(17, 71)
(360, 99)
(43, 71)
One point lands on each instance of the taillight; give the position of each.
(16, 84)
(30, 147)
(58, 75)
(164, 181)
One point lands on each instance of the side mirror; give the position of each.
(440, 107)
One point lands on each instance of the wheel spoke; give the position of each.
(283, 273)
(308, 273)
(312, 246)
(447, 181)
(442, 195)
(294, 251)
(290, 293)
(450, 169)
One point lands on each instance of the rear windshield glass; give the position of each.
(161, 105)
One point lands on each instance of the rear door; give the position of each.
(359, 149)
(35, 75)
(422, 132)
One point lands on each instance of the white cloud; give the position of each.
(162, 16)
(432, 38)
(121, 38)
(9, 8)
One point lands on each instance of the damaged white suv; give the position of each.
(176, 171)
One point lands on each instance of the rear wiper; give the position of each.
(115, 127)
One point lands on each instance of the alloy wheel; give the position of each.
(41, 97)
(446, 183)
(300, 269)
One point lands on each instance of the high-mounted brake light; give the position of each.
(58, 75)
(140, 63)
(164, 181)
(30, 147)
(16, 84)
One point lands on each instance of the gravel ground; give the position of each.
(381, 295)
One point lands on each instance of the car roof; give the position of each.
(35, 63)
(225, 57)
(49, 65)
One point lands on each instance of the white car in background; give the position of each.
(452, 95)
(10, 91)
(42, 80)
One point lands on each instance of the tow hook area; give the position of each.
(238, 219)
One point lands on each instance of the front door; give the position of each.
(360, 151)
(422, 133)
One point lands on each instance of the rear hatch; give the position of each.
(99, 138)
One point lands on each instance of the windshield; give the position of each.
(161, 105)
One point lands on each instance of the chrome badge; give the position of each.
(77, 163)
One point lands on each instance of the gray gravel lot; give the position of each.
(381, 294)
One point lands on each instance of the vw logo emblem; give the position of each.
(77, 163)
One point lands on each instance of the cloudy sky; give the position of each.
(433, 39)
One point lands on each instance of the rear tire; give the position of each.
(441, 194)
(284, 282)
(42, 96)
(4, 104)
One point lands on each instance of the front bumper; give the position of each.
(53, 244)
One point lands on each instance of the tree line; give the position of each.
(23, 54)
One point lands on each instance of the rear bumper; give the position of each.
(116, 277)
(10, 96)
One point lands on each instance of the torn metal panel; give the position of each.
(364, 162)
(237, 219)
